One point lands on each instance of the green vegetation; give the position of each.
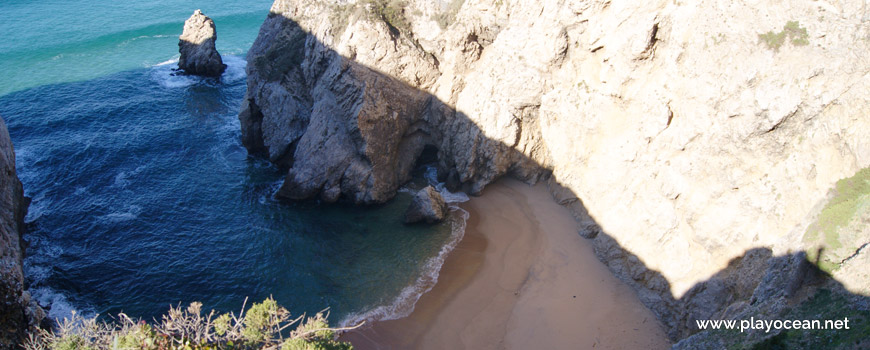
(392, 12)
(828, 239)
(796, 33)
(262, 326)
(772, 40)
(340, 17)
(792, 30)
(446, 18)
(824, 305)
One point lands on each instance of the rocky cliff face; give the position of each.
(345, 103)
(18, 313)
(695, 141)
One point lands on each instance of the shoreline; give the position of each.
(519, 279)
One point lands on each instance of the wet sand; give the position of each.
(521, 278)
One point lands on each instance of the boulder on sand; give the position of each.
(196, 45)
(427, 206)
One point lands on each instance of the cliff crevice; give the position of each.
(679, 138)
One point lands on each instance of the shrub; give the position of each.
(315, 334)
(792, 30)
(796, 33)
(392, 12)
(340, 17)
(850, 201)
(188, 329)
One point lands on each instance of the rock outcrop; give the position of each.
(196, 45)
(427, 206)
(18, 313)
(683, 134)
(350, 116)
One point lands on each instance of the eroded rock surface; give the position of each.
(680, 133)
(427, 206)
(18, 313)
(196, 45)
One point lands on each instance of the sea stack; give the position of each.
(196, 45)
(18, 312)
(427, 206)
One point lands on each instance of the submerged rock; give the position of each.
(196, 45)
(428, 206)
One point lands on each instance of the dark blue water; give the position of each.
(143, 195)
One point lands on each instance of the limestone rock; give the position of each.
(681, 141)
(18, 313)
(196, 45)
(348, 109)
(427, 206)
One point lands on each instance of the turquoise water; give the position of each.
(143, 195)
(47, 42)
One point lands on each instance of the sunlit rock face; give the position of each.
(684, 135)
(196, 46)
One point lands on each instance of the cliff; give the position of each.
(18, 313)
(697, 142)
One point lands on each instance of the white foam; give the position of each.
(235, 68)
(167, 62)
(451, 197)
(122, 179)
(170, 81)
(166, 75)
(431, 175)
(39, 206)
(131, 213)
(403, 304)
(60, 307)
(119, 217)
(37, 273)
(38, 269)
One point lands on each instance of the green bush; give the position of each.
(72, 342)
(796, 33)
(340, 17)
(792, 30)
(392, 12)
(138, 337)
(259, 327)
(259, 320)
(315, 334)
(850, 201)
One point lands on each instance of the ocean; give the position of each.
(144, 197)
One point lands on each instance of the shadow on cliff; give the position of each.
(352, 133)
(200, 59)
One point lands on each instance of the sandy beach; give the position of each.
(521, 278)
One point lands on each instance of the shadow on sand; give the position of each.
(359, 121)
